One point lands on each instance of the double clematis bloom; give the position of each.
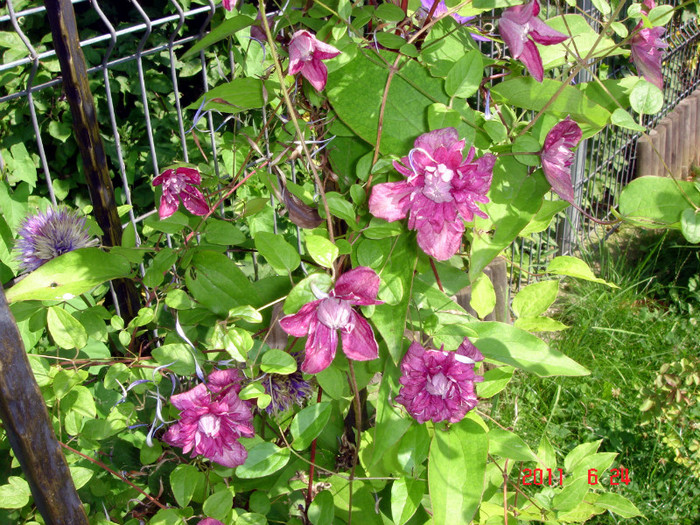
(647, 48)
(180, 184)
(321, 320)
(520, 28)
(305, 55)
(46, 235)
(440, 191)
(439, 385)
(213, 417)
(557, 156)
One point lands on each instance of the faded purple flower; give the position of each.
(441, 9)
(288, 390)
(209, 521)
(520, 29)
(321, 320)
(46, 235)
(647, 48)
(180, 184)
(557, 156)
(439, 385)
(440, 191)
(212, 418)
(305, 55)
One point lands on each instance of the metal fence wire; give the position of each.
(141, 86)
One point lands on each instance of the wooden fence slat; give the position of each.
(30, 433)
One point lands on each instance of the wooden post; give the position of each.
(28, 426)
(87, 134)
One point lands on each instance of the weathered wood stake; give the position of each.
(66, 40)
(28, 426)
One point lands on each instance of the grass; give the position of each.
(623, 336)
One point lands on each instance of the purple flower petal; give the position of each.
(359, 286)
(359, 343)
(557, 156)
(531, 59)
(298, 324)
(390, 200)
(305, 55)
(320, 349)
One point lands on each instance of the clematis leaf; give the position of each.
(308, 424)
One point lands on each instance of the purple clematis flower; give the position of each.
(305, 55)
(520, 29)
(213, 417)
(647, 48)
(441, 9)
(228, 5)
(321, 320)
(439, 385)
(46, 235)
(209, 521)
(287, 390)
(440, 191)
(180, 184)
(557, 156)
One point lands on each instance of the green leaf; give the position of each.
(80, 475)
(571, 495)
(617, 504)
(233, 97)
(365, 78)
(184, 481)
(456, 470)
(535, 298)
(539, 324)
(223, 233)
(179, 354)
(219, 504)
(236, 341)
(246, 313)
(302, 294)
(546, 456)
(507, 445)
(406, 495)
(515, 197)
(65, 329)
(219, 284)
(621, 118)
(483, 298)
(281, 255)
(527, 144)
(68, 275)
(646, 98)
(321, 510)
(263, 459)
(15, 494)
(661, 15)
(276, 361)
(517, 348)
(251, 518)
(464, 78)
(575, 267)
(657, 201)
(390, 40)
(527, 93)
(308, 424)
(178, 300)
(227, 28)
(341, 208)
(603, 6)
(321, 250)
(580, 452)
(391, 424)
(495, 380)
(690, 225)
(389, 12)
(80, 400)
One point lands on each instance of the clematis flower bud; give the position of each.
(557, 156)
(440, 191)
(521, 28)
(320, 320)
(179, 184)
(305, 55)
(646, 49)
(439, 385)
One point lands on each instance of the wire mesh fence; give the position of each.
(143, 87)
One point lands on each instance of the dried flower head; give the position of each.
(439, 385)
(213, 417)
(287, 390)
(46, 235)
(440, 191)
